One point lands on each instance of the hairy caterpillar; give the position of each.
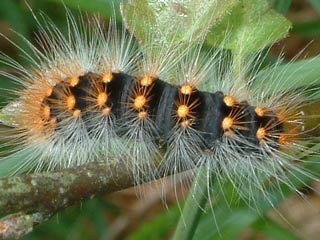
(96, 97)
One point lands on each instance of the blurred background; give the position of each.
(123, 215)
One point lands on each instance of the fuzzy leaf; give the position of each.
(251, 26)
(170, 22)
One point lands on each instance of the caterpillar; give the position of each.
(91, 96)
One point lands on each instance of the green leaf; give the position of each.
(299, 74)
(307, 29)
(159, 227)
(10, 164)
(268, 227)
(230, 223)
(169, 22)
(104, 8)
(282, 6)
(251, 26)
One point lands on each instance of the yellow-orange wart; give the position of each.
(47, 127)
(142, 115)
(74, 81)
(76, 113)
(261, 133)
(106, 111)
(147, 80)
(71, 102)
(185, 123)
(139, 101)
(49, 91)
(282, 139)
(102, 99)
(229, 101)
(53, 122)
(259, 111)
(186, 89)
(46, 112)
(183, 111)
(107, 77)
(281, 117)
(227, 123)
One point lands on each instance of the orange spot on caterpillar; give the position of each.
(102, 98)
(74, 81)
(139, 101)
(53, 122)
(38, 122)
(185, 123)
(229, 101)
(71, 102)
(259, 111)
(147, 80)
(46, 112)
(76, 113)
(228, 133)
(49, 92)
(261, 133)
(283, 139)
(107, 77)
(106, 111)
(186, 107)
(235, 119)
(186, 89)
(227, 123)
(281, 117)
(48, 126)
(142, 115)
(290, 135)
(183, 111)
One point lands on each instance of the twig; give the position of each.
(17, 225)
(32, 199)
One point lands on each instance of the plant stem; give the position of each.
(193, 208)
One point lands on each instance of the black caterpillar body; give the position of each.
(161, 105)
